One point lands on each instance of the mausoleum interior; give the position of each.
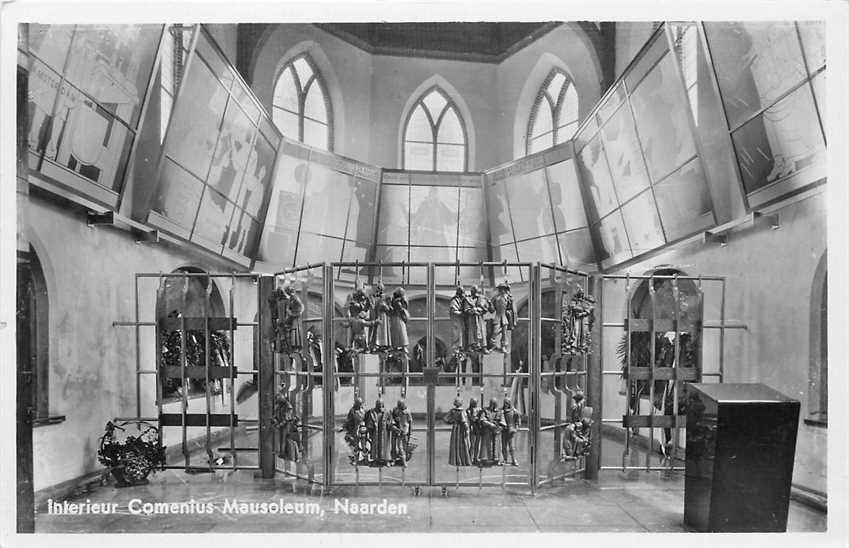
(455, 266)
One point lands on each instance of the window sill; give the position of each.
(821, 423)
(47, 421)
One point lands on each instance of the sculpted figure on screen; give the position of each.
(292, 320)
(473, 417)
(402, 430)
(378, 425)
(356, 433)
(504, 318)
(380, 309)
(491, 426)
(511, 422)
(459, 331)
(476, 307)
(459, 448)
(398, 317)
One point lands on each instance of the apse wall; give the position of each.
(375, 91)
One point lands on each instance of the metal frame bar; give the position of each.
(430, 359)
(328, 383)
(207, 395)
(232, 365)
(265, 377)
(160, 294)
(534, 370)
(721, 334)
(185, 403)
(628, 382)
(676, 383)
(652, 365)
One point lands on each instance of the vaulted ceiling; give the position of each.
(485, 42)
(480, 41)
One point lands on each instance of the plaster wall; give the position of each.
(769, 283)
(92, 363)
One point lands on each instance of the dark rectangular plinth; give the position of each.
(741, 442)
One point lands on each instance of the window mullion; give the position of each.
(302, 97)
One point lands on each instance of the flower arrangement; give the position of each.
(132, 459)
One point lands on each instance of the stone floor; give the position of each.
(617, 502)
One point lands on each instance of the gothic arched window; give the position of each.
(554, 116)
(301, 106)
(434, 135)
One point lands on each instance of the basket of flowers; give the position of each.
(131, 458)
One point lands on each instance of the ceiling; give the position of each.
(481, 42)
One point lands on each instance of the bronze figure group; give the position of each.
(481, 324)
(576, 435)
(378, 437)
(286, 311)
(482, 437)
(377, 322)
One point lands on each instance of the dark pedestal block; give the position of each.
(741, 440)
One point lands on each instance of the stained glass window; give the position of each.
(86, 88)
(755, 63)
(554, 117)
(301, 106)
(219, 156)
(766, 74)
(434, 135)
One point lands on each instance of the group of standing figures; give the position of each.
(286, 311)
(481, 323)
(377, 322)
(379, 437)
(482, 437)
